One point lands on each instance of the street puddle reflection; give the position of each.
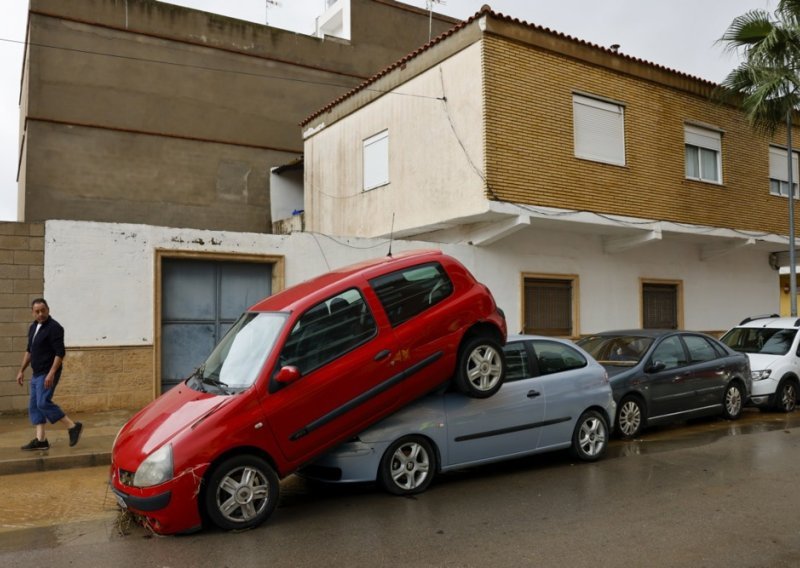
(701, 432)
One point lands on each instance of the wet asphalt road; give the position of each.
(710, 493)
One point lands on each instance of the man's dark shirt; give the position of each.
(46, 346)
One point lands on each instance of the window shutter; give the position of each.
(660, 306)
(777, 164)
(702, 138)
(376, 160)
(599, 130)
(548, 307)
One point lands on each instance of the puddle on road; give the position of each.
(701, 432)
(43, 498)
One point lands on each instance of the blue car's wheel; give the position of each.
(408, 466)
(590, 439)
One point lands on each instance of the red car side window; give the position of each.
(328, 330)
(411, 291)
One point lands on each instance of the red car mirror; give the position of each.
(287, 375)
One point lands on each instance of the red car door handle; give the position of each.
(533, 393)
(382, 354)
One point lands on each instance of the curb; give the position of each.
(53, 463)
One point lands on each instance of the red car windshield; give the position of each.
(237, 360)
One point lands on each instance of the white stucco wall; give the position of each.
(428, 181)
(717, 293)
(100, 277)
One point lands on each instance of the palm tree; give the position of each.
(767, 85)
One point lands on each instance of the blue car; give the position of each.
(555, 396)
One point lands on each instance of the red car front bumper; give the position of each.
(169, 508)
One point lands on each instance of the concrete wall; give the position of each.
(435, 148)
(21, 280)
(157, 114)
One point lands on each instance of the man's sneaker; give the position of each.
(75, 434)
(36, 445)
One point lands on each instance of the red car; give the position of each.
(299, 373)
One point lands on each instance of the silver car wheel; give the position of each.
(630, 418)
(242, 494)
(410, 466)
(788, 397)
(733, 401)
(592, 436)
(484, 367)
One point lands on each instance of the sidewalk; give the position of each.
(94, 447)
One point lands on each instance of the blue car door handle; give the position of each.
(533, 393)
(382, 354)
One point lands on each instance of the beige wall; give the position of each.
(435, 148)
(110, 378)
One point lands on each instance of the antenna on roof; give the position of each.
(391, 236)
(430, 4)
(269, 3)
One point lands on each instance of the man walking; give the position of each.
(45, 354)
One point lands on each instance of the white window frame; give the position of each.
(777, 171)
(375, 157)
(703, 140)
(598, 129)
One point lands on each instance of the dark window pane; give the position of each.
(516, 362)
(555, 357)
(408, 292)
(699, 349)
(660, 306)
(670, 352)
(548, 306)
(328, 330)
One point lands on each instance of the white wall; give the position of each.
(100, 277)
(717, 293)
(433, 146)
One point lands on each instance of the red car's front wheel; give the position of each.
(242, 493)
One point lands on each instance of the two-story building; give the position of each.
(599, 190)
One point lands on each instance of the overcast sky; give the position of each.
(679, 34)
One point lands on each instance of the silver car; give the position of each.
(555, 396)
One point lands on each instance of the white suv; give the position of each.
(773, 345)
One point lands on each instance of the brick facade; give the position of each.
(106, 378)
(21, 280)
(530, 155)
